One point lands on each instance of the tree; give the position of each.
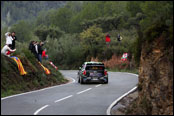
(45, 17)
(134, 7)
(23, 31)
(106, 23)
(62, 19)
(151, 19)
(43, 31)
(93, 40)
(156, 11)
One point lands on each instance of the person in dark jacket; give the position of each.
(119, 38)
(33, 47)
(40, 50)
(13, 40)
(35, 50)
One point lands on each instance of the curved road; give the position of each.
(72, 98)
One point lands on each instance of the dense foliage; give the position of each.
(13, 11)
(76, 31)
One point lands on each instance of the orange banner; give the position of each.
(19, 64)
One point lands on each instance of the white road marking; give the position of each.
(98, 85)
(84, 90)
(40, 109)
(63, 98)
(39, 90)
(108, 112)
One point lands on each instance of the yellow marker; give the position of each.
(45, 69)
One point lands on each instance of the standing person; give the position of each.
(44, 54)
(119, 38)
(13, 40)
(8, 39)
(40, 51)
(107, 40)
(6, 50)
(31, 46)
(35, 50)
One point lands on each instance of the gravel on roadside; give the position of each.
(121, 107)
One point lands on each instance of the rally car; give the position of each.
(92, 72)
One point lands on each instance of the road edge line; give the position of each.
(73, 80)
(108, 111)
(37, 111)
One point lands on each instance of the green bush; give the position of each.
(23, 31)
(29, 55)
(43, 31)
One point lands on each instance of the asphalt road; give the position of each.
(72, 98)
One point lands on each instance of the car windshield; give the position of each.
(94, 67)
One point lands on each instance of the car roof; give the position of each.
(92, 62)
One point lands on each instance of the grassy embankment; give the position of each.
(13, 83)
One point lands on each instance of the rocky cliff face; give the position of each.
(156, 79)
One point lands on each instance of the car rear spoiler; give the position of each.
(95, 65)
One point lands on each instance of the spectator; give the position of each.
(44, 54)
(31, 45)
(8, 39)
(108, 38)
(6, 50)
(119, 38)
(35, 50)
(13, 40)
(40, 51)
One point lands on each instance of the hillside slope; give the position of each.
(13, 83)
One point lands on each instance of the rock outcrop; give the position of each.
(155, 85)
